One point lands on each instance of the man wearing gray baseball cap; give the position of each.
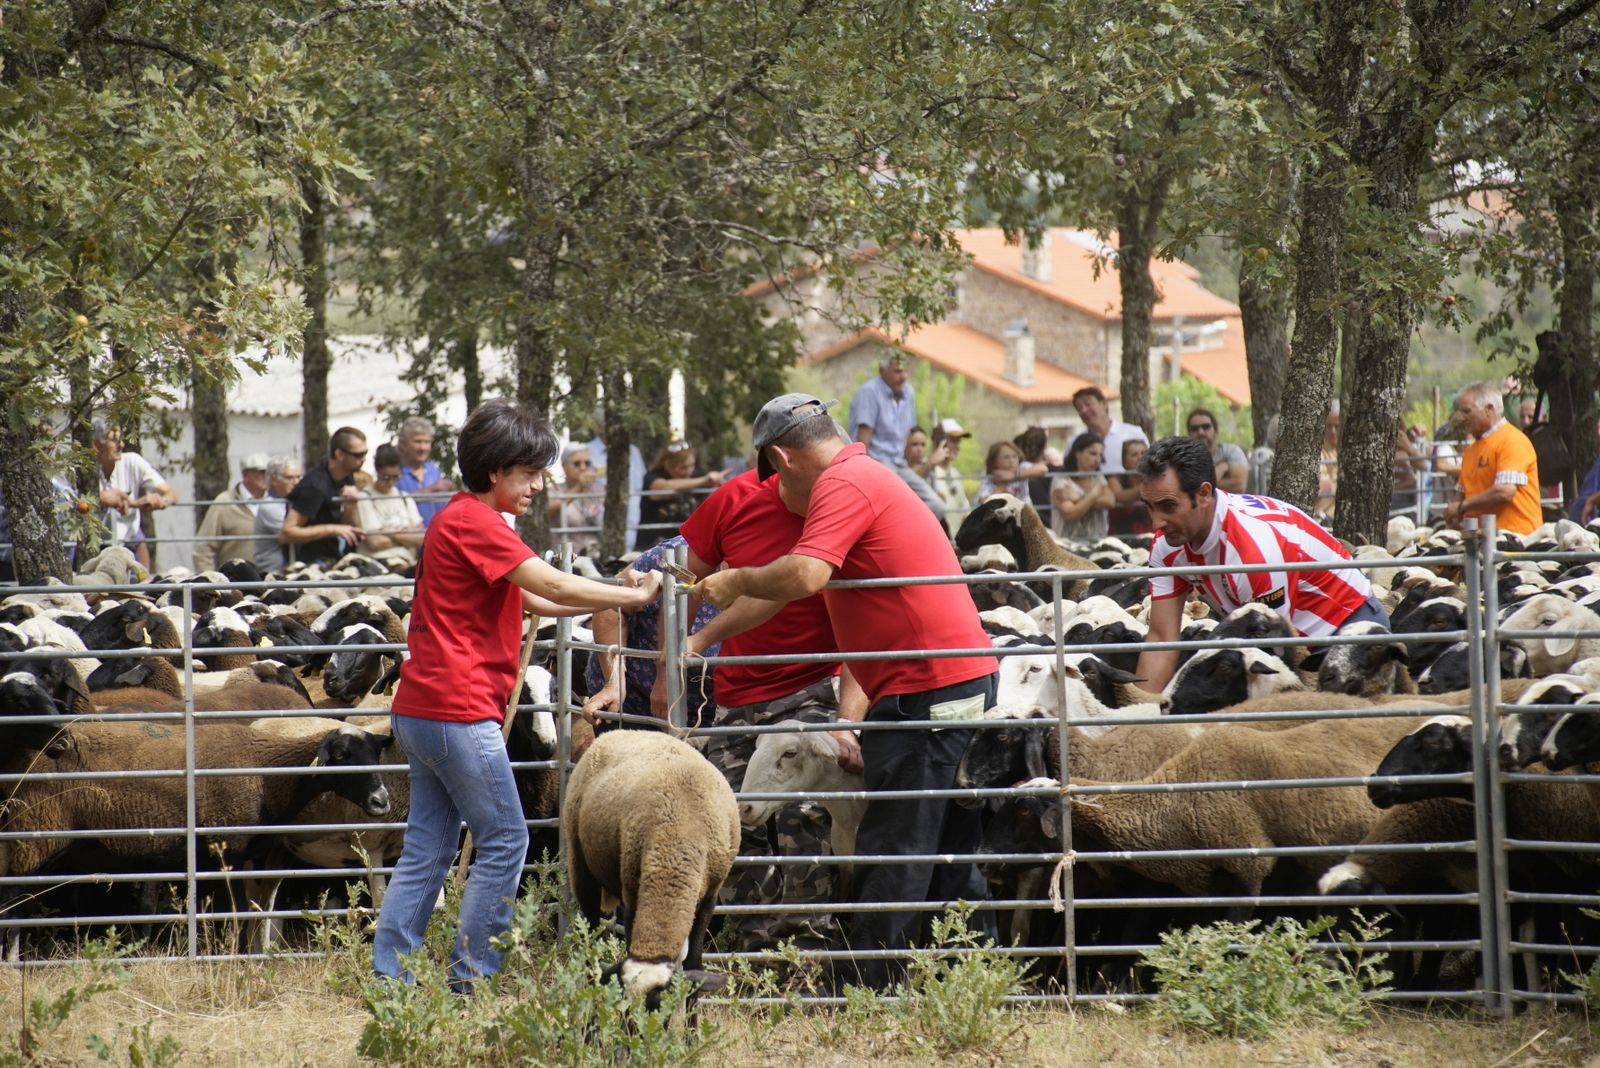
(863, 522)
(228, 530)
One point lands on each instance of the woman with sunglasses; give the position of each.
(669, 496)
(391, 520)
(578, 505)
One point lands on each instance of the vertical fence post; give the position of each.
(1491, 758)
(190, 805)
(560, 698)
(671, 647)
(1069, 918)
(1488, 912)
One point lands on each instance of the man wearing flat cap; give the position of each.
(228, 530)
(863, 522)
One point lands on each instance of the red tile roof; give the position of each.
(962, 350)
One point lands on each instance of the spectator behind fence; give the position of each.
(318, 522)
(1328, 464)
(577, 506)
(942, 474)
(1587, 499)
(283, 475)
(1202, 526)
(1410, 474)
(1233, 466)
(418, 472)
(1499, 471)
(129, 487)
(1081, 503)
(1001, 472)
(636, 469)
(669, 488)
(1261, 458)
(862, 522)
(390, 520)
(230, 521)
(917, 451)
(882, 413)
(1130, 514)
(1096, 415)
(1034, 467)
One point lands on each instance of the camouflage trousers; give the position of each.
(801, 828)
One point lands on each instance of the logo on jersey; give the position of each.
(1272, 598)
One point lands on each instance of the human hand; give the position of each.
(647, 587)
(939, 454)
(1589, 507)
(658, 696)
(849, 751)
(347, 532)
(153, 501)
(444, 485)
(606, 699)
(716, 478)
(112, 497)
(720, 588)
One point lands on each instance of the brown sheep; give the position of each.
(664, 860)
(1245, 818)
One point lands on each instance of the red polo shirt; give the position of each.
(867, 523)
(745, 524)
(466, 620)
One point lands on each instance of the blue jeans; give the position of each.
(458, 770)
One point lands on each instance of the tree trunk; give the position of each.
(1135, 234)
(466, 358)
(619, 450)
(1264, 309)
(1339, 61)
(314, 359)
(36, 549)
(1575, 318)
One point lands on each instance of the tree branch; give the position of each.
(204, 66)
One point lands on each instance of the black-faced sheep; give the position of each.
(1213, 679)
(1575, 738)
(1362, 670)
(1451, 670)
(663, 860)
(131, 624)
(1522, 734)
(1009, 521)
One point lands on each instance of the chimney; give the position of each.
(1019, 353)
(1036, 259)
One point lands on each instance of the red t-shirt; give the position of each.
(466, 620)
(868, 523)
(745, 524)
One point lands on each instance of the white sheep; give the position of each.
(1559, 648)
(1036, 681)
(803, 763)
(1009, 618)
(649, 823)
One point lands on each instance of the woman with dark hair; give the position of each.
(668, 498)
(1130, 515)
(473, 584)
(1080, 497)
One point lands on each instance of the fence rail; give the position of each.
(1494, 904)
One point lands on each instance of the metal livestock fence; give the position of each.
(1090, 956)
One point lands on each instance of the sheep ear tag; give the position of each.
(263, 642)
(316, 760)
(144, 635)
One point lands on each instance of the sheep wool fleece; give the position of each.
(650, 823)
(466, 620)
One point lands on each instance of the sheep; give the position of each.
(1095, 691)
(1009, 619)
(803, 763)
(353, 670)
(1024, 746)
(1522, 734)
(222, 627)
(664, 861)
(1575, 738)
(131, 624)
(152, 684)
(22, 695)
(1362, 670)
(1009, 521)
(1432, 616)
(41, 632)
(1451, 670)
(989, 558)
(1213, 679)
(54, 595)
(1243, 818)
(1558, 648)
(221, 801)
(1437, 819)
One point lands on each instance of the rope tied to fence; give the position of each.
(1058, 880)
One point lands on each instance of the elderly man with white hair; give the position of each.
(1499, 470)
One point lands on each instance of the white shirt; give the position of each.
(135, 476)
(1115, 435)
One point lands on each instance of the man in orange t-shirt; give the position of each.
(1499, 471)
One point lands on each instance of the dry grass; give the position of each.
(285, 1014)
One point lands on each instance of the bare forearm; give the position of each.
(747, 613)
(1490, 500)
(787, 578)
(853, 702)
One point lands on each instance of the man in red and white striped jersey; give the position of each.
(1200, 525)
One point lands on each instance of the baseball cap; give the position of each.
(951, 429)
(779, 416)
(254, 461)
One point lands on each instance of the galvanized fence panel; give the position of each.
(1492, 941)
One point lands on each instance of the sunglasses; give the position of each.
(679, 446)
(387, 478)
(362, 455)
(1199, 426)
(581, 463)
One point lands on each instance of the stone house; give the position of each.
(1027, 328)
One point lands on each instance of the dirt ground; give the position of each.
(284, 1014)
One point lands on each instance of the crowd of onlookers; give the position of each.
(1085, 484)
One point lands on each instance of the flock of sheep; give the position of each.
(1166, 812)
